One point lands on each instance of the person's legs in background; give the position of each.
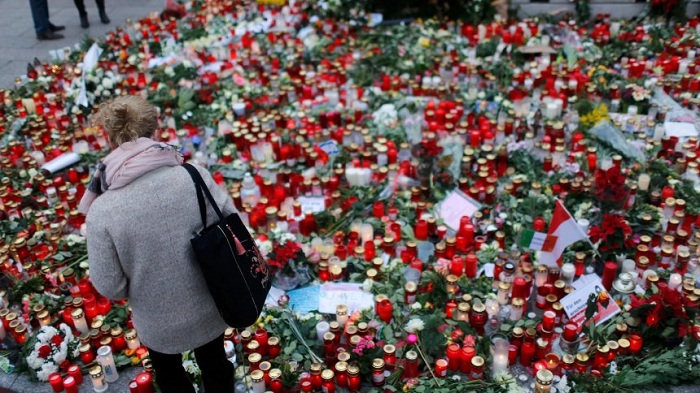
(217, 371)
(80, 5)
(43, 28)
(170, 375)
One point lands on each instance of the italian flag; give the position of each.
(537, 241)
(567, 231)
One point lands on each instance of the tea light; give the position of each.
(635, 343)
(258, 380)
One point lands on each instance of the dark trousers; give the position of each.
(217, 371)
(40, 14)
(80, 4)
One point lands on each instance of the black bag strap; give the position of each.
(202, 190)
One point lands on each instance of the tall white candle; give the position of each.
(367, 233)
(643, 182)
(629, 266)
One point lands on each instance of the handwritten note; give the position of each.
(330, 147)
(304, 300)
(455, 206)
(575, 303)
(351, 295)
(313, 204)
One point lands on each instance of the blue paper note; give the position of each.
(304, 300)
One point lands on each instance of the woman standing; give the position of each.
(141, 211)
(80, 4)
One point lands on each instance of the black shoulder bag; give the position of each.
(236, 273)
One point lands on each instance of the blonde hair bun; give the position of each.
(128, 118)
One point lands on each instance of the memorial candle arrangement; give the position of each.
(411, 159)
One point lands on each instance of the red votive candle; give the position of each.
(56, 382)
(457, 266)
(512, 354)
(471, 265)
(466, 359)
(520, 288)
(74, 371)
(453, 357)
(548, 320)
(144, 381)
(70, 385)
(609, 274)
(133, 387)
(570, 332)
(635, 343)
(527, 352)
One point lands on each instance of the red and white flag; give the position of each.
(567, 231)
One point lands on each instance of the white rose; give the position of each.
(107, 83)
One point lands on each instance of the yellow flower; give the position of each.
(424, 41)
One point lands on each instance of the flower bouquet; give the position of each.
(50, 350)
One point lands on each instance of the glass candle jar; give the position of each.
(389, 357)
(466, 357)
(411, 365)
(378, 372)
(257, 381)
(516, 309)
(98, 379)
(543, 381)
(106, 360)
(341, 374)
(453, 356)
(410, 291)
(132, 339)
(354, 381)
(478, 317)
(581, 364)
(477, 368)
(328, 384)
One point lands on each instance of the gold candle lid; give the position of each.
(545, 377)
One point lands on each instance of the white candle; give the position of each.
(614, 29)
(568, 271)
(675, 281)
(341, 314)
(239, 108)
(629, 266)
(356, 226)
(683, 66)
(643, 182)
(132, 339)
(551, 110)
(500, 362)
(691, 54)
(79, 321)
(492, 307)
(322, 328)
(366, 233)
(647, 274)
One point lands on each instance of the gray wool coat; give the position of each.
(138, 241)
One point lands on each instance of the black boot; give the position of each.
(101, 8)
(80, 5)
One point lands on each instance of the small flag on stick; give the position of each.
(538, 241)
(567, 231)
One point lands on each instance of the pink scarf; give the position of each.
(127, 163)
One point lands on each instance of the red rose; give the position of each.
(64, 365)
(56, 340)
(44, 351)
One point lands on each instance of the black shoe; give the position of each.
(49, 35)
(84, 21)
(56, 28)
(103, 17)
